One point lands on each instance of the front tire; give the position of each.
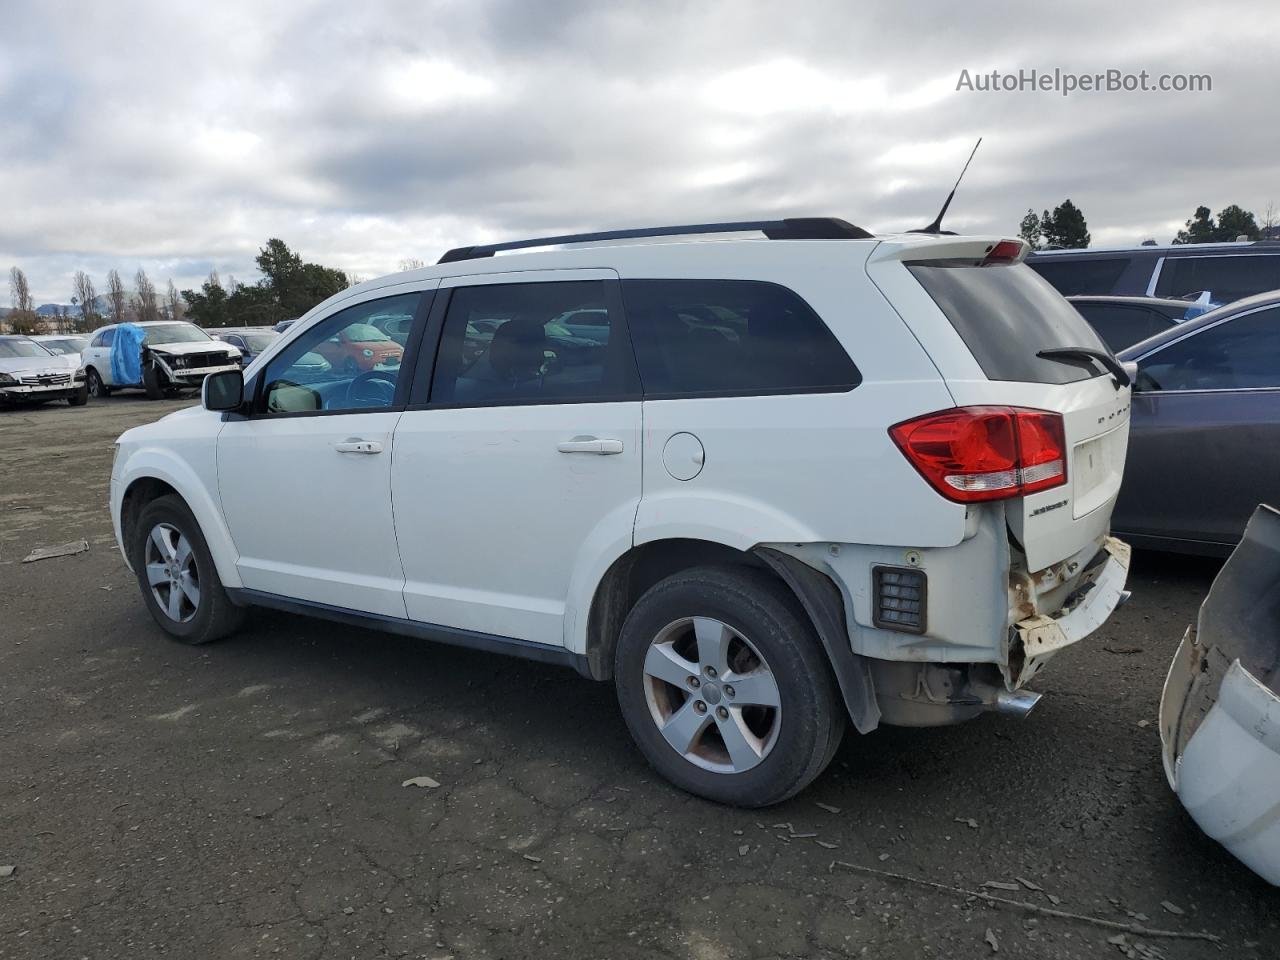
(153, 382)
(726, 688)
(176, 574)
(97, 389)
(79, 398)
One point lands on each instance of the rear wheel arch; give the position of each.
(818, 600)
(627, 579)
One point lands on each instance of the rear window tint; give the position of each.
(1122, 325)
(1005, 315)
(1078, 275)
(1226, 278)
(731, 337)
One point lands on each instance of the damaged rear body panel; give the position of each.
(982, 638)
(1220, 711)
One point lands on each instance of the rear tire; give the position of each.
(97, 388)
(79, 398)
(176, 574)
(153, 382)
(746, 751)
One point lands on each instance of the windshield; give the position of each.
(69, 345)
(21, 347)
(174, 333)
(363, 333)
(1006, 314)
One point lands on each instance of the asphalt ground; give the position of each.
(245, 799)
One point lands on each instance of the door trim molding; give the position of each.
(453, 636)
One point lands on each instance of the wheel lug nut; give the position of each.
(699, 706)
(711, 672)
(728, 691)
(722, 713)
(695, 682)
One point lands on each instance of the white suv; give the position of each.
(767, 485)
(174, 355)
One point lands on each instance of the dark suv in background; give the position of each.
(1228, 271)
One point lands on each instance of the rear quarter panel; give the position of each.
(800, 467)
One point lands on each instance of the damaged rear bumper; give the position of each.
(1220, 710)
(1093, 599)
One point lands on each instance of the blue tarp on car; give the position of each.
(126, 354)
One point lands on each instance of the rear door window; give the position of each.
(1006, 314)
(507, 344)
(731, 338)
(1226, 278)
(1238, 354)
(1080, 275)
(1122, 325)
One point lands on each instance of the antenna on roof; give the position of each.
(936, 226)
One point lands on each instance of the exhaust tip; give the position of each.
(1124, 598)
(1015, 703)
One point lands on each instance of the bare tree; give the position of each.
(23, 318)
(173, 303)
(115, 297)
(87, 297)
(1269, 222)
(147, 305)
(411, 263)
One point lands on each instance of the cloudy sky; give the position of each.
(180, 136)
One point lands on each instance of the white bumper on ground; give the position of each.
(1220, 710)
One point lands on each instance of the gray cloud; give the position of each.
(179, 138)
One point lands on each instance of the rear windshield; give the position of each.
(1006, 314)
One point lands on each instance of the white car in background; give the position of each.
(64, 344)
(174, 355)
(29, 373)
(766, 485)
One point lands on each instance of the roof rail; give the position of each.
(793, 228)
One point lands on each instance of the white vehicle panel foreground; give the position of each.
(1220, 711)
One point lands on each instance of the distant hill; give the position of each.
(53, 309)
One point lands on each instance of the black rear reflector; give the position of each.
(899, 598)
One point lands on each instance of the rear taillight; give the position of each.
(986, 453)
(1005, 251)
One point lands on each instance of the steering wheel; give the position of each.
(376, 388)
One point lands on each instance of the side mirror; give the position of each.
(223, 390)
(1131, 368)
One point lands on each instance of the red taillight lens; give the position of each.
(986, 453)
(1006, 251)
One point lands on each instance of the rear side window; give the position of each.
(1238, 354)
(1121, 325)
(1079, 275)
(731, 337)
(1006, 314)
(108, 337)
(1226, 278)
(506, 344)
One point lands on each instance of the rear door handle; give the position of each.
(356, 445)
(590, 445)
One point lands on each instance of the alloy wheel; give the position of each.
(171, 572)
(712, 695)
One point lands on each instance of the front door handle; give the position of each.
(590, 445)
(356, 445)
